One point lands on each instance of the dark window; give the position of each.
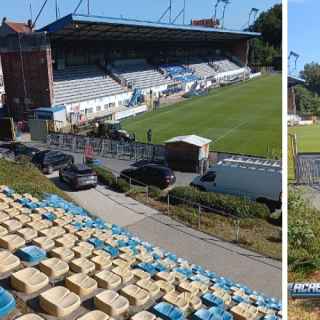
(209, 177)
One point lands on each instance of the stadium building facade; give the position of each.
(98, 66)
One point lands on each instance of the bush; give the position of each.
(236, 206)
(104, 176)
(155, 193)
(120, 185)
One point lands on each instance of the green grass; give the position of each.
(23, 177)
(243, 118)
(308, 138)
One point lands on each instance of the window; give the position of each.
(106, 107)
(90, 110)
(98, 109)
(209, 177)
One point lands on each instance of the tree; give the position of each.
(311, 74)
(267, 50)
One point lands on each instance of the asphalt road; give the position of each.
(257, 272)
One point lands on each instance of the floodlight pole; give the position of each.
(216, 8)
(226, 2)
(39, 14)
(253, 11)
(184, 11)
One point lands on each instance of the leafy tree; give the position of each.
(311, 74)
(267, 50)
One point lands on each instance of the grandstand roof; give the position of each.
(293, 80)
(84, 27)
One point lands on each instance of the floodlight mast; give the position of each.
(226, 3)
(296, 57)
(216, 9)
(168, 10)
(39, 13)
(253, 12)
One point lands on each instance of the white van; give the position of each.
(256, 179)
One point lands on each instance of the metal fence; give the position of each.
(107, 148)
(308, 169)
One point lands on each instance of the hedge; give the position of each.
(233, 205)
(107, 178)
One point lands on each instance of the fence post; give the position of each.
(129, 183)
(199, 218)
(147, 192)
(237, 229)
(168, 201)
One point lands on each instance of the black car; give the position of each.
(78, 176)
(49, 161)
(23, 150)
(150, 174)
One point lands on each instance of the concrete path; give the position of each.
(257, 272)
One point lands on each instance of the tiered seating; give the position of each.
(112, 272)
(201, 68)
(179, 73)
(75, 84)
(140, 75)
(223, 65)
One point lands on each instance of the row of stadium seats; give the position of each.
(83, 83)
(53, 252)
(223, 65)
(141, 75)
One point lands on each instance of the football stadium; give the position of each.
(58, 260)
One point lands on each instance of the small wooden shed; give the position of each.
(188, 153)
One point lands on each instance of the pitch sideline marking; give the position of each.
(231, 130)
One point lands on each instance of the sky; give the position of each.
(237, 13)
(303, 31)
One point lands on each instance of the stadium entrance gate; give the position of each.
(107, 148)
(308, 168)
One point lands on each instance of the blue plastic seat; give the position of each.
(167, 311)
(97, 243)
(7, 303)
(147, 267)
(114, 252)
(159, 267)
(31, 254)
(202, 314)
(210, 300)
(184, 271)
(49, 216)
(220, 314)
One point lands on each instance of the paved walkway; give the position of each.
(257, 272)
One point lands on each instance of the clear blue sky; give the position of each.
(304, 28)
(236, 15)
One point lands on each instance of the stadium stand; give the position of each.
(83, 83)
(137, 281)
(138, 74)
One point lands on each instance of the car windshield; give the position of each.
(85, 171)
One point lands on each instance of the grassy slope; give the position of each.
(245, 118)
(25, 178)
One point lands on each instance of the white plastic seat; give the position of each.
(141, 275)
(150, 286)
(54, 268)
(165, 286)
(144, 315)
(81, 284)
(27, 234)
(12, 242)
(23, 218)
(82, 252)
(65, 241)
(244, 311)
(12, 225)
(30, 316)
(95, 315)
(101, 262)
(136, 295)
(124, 273)
(59, 302)
(176, 300)
(8, 261)
(112, 303)
(44, 243)
(29, 280)
(82, 265)
(62, 253)
(3, 231)
(3, 216)
(108, 280)
(166, 276)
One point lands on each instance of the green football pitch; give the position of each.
(308, 138)
(243, 118)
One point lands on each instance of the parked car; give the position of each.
(79, 176)
(23, 150)
(49, 161)
(150, 174)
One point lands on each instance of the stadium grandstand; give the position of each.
(114, 68)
